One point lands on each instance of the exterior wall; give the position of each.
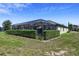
(62, 30)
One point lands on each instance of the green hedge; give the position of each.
(48, 34)
(24, 33)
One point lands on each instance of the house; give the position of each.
(75, 27)
(45, 24)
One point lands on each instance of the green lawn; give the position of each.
(16, 45)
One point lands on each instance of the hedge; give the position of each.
(24, 33)
(48, 34)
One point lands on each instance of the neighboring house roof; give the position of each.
(41, 20)
(75, 26)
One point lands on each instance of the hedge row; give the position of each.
(24, 33)
(48, 34)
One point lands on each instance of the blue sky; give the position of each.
(23, 12)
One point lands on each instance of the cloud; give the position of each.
(57, 7)
(65, 7)
(3, 10)
(20, 5)
(9, 7)
(17, 5)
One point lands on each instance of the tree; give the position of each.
(69, 27)
(6, 25)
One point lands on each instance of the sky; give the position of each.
(23, 12)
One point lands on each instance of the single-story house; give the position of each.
(45, 24)
(75, 27)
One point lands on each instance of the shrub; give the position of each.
(48, 34)
(24, 33)
(68, 31)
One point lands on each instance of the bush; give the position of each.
(68, 31)
(24, 33)
(48, 34)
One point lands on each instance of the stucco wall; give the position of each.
(62, 30)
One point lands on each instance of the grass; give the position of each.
(16, 45)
